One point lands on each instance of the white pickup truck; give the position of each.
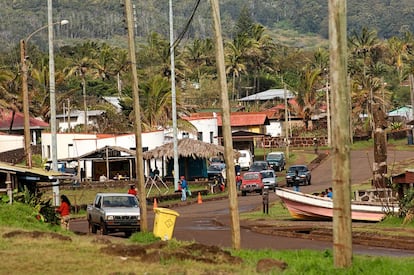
(114, 212)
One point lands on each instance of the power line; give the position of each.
(187, 25)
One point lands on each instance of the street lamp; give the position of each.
(25, 91)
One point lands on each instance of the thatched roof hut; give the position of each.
(186, 148)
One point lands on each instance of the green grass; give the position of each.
(93, 255)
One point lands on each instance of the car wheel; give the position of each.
(309, 181)
(92, 228)
(102, 229)
(261, 192)
(243, 193)
(128, 234)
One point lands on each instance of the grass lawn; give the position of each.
(24, 238)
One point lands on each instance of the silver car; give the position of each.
(269, 179)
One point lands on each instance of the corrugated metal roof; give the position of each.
(268, 95)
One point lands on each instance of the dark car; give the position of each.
(304, 175)
(215, 170)
(276, 160)
(258, 166)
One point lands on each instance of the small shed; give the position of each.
(16, 177)
(109, 161)
(193, 155)
(403, 181)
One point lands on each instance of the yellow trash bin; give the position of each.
(164, 223)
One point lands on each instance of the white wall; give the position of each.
(64, 150)
(85, 143)
(11, 142)
(274, 129)
(204, 125)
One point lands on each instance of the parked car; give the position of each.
(304, 175)
(251, 182)
(215, 170)
(245, 159)
(276, 160)
(258, 166)
(269, 179)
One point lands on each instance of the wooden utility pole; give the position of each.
(26, 115)
(227, 137)
(137, 121)
(342, 223)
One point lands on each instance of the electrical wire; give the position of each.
(186, 27)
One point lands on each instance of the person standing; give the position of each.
(184, 187)
(296, 180)
(64, 211)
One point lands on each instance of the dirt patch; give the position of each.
(35, 235)
(158, 251)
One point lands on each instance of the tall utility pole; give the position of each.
(342, 223)
(227, 137)
(286, 120)
(52, 96)
(174, 99)
(27, 138)
(137, 121)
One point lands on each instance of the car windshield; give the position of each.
(120, 201)
(274, 157)
(267, 174)
(251, 176)
(215, 168)
(297, 168)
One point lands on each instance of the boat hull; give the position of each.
(309, 207)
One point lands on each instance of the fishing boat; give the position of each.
(311, 207)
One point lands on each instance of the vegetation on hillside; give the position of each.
(255, 59)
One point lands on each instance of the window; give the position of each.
(211, 137)
(200, 136)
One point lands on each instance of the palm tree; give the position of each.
(400, 52)
(9, 88)
(307, 93)
(235, 63)
(83, 67)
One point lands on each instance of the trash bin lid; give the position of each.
(166, 211)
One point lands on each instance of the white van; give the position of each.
(245, 159)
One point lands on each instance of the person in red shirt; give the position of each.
(132, 190)
(64, 211)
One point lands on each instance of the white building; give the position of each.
(10, 142)
(77, 117)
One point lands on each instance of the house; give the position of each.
(207, 128)
(402, 114)
(76, 118)
(13, 124)
(72, 145)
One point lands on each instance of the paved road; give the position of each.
(208, 223)
(361, 168)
